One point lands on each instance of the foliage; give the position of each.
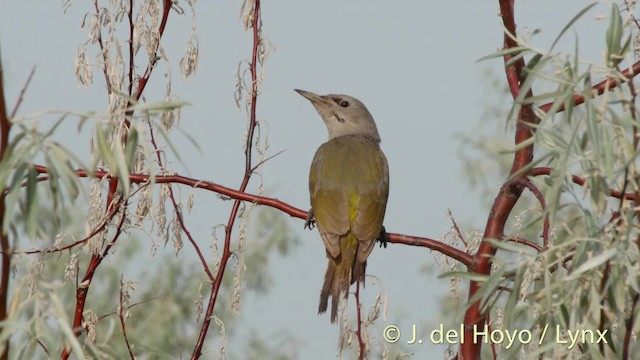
(581, 278)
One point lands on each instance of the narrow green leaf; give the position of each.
(614, 35)
(13, 195)
(464, 275)
(570, 24)
(593, 263)
(131, 148)
(32, 204)
(104, 150)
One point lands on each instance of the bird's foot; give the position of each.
(310, 223)
(383, 238)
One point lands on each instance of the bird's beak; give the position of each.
(314, 98)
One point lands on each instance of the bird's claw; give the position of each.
(383, 238)
(310, 223)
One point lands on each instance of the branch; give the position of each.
(131, 44)
(601, 87)
(538, 194)
(233, 215)
(439, 246)
(526, 242)
(457, 229)
(21, 96)
(628, 334)
(105, 59)
(96, 259)
(509, 193)
(154, 59)
(538, 171)
(361, 344)
(82, 290)
(178, 211)
(5, 128)
(122, 320)
(290, 210)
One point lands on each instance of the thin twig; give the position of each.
(538, 171)
(122, 321)
(457, 229)
(601, 87)
(5, 129)
(105, 59)
(361, 345)
(96, 259)
(260, 163)
(215, 288)
(178, 211)
(22, 91)
(538, 194)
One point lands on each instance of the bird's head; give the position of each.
(343, 115)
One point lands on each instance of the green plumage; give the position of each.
(349, 186)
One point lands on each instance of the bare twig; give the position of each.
(96, 259)
(601, 87)
(122, 321)
(178, 211)
(538, 194)
(361, 344)
(538, 171)
(22, 91)
(105, 59)
(457, 229)
(5, 129)
(215, 288)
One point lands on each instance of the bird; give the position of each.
(348, 188)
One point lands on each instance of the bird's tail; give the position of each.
(342, 271)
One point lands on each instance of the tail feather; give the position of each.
(358, 272)
(337, 281)
(326, 287)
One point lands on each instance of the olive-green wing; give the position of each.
(374, 191)
(328, 197)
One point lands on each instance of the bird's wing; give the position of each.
(374, 191)
(328, 198)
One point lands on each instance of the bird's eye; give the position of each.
(344, 103)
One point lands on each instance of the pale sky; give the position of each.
(413, 63)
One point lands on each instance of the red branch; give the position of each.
(154, 59)
(432, 244)
(215, 288)
(122, 320)
(538, 194)
(96, 259)
(507, 196)
(361, 345)
(105, 58)
(457, 229)
(5, 128)
(131, 46)
(511, 190)
(21, 96)
(538, 171)
(601, 87)
(178, 211)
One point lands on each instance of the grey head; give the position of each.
(343, 115)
